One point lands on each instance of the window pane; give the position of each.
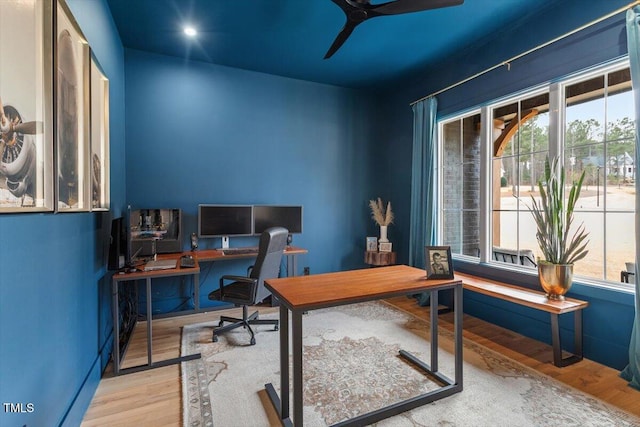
(461, 185)
(620, 243)
(592, 265)
(521, 147)
(585, 112)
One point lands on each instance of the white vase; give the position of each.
(383, 234)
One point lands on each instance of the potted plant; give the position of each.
(553, 215)
(383, 217)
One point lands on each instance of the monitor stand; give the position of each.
(225, 242)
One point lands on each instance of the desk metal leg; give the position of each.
(434, 330)
(458, 313)
(116, 345)
(296, 343)
(557, 343)
(292, 265)
(196, 292)
(149, 324)
(115, 311)
(282, 406)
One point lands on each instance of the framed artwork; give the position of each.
(26, 106)
(385, 247)
(372, 244)
(99, 165)
(71, 59)
(438, 262)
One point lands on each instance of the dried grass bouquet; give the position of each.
(380, 215)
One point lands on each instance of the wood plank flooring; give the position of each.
(153, 398)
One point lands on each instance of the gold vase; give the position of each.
(555, 279)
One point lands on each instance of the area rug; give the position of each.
(351, 366)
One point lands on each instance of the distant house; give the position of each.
(622, 166)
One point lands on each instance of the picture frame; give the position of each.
(372, 244)
(99, 119)
(71, 81)
(26, 107)
(438, 262)
(385, 247)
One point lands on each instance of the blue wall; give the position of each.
(203, 133)
(608, 319)
(53, 317)
(189, 128)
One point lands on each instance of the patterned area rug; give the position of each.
(351, 366)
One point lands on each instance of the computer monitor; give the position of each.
(155, 231)
(224, 221)
(289, 217)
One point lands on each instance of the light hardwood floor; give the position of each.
(153, 398)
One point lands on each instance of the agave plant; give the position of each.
(554, 219)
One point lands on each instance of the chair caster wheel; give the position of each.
(253, 341)
(220, 324)
(215, 338)
(275, 328)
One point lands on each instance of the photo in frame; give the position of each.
(71, 58)
(372, 244)
(385, 247)
(438, 262)
(100, 191)
(26, 106)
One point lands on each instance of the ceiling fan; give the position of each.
(358, 11)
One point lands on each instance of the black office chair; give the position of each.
(250, 290)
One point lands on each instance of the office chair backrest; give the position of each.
(267, 266)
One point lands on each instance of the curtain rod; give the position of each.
(508, 61)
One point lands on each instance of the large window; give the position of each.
(588, 121)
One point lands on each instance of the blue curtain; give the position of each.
(423, 184)
(632, 372)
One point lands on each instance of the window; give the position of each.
(593, 131)
(461, 183)
(520, 147)
(599, 140)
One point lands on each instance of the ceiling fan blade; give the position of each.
(408, 6)
(341, 38)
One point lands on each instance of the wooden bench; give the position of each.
(536, 300)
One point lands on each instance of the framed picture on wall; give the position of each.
(438, 262)
(99, 137)
(26, 106)
(71, 76)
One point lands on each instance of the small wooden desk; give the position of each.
(302, 293)
(148, 276)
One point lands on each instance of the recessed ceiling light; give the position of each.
(190, 31)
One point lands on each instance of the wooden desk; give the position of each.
(212, 255)
(148, 276)
(299, 294)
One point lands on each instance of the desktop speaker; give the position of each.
(194, 241)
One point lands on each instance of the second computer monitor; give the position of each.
(266, 216)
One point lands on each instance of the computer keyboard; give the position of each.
(240, 251)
